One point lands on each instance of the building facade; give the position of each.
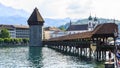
(58, 34)
(16, 31)
(21, 31)
(52, 32)
(79, 28)
(10, 28)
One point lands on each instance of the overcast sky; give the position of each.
(69, 8)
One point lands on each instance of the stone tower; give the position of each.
(35, 23)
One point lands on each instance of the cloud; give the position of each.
(79, 9)
(106, 8)
(48, 8)
(68, 8)
(26, 5)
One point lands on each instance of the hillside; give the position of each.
(85, 21)
(13, 16)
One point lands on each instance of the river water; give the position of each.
(36, 57)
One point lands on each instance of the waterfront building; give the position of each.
(51, 32)
(10, 28)
(79, 28)
(16, 31)
(58, 34)
(21, 31)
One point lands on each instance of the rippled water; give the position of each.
(36, 57)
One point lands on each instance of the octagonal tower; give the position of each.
(35, 23)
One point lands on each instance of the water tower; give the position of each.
(35, 23)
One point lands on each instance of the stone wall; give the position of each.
(36, 35)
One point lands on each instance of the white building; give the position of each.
(91, 24)
(21, 31)
(11, 30)
(51, 32)
(58, 34)
(17, 31)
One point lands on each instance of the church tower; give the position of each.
(90, 23)
(95, 22)
(35, 23)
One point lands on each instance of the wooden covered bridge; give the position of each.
(83, 43)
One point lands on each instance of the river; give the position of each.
(36, 57)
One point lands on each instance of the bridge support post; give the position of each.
(89, 52)
(81, 51)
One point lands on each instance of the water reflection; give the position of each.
(35, 57)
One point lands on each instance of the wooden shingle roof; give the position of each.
(102, 29)
(35, 18)
(106, 28)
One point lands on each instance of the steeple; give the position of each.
(35, 18)
(90, 18)
(95, 19)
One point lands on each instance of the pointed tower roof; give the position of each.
(35, 18)
(90, 17)
(95, 19)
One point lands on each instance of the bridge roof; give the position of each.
(106, 28)
(102, 29)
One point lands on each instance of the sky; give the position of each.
(69, 8)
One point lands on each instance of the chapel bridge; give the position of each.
(83, 43)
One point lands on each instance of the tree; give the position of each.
(4, 33)
(12, 41)
(7, 40)
(1, 40)
(25, 40)
(16, 40)
(62, 28)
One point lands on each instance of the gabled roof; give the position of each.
(35, 18)
(13, 26)
(106, 28)
(21, 26)
(73, 36)
(6, 26)
(77, 27)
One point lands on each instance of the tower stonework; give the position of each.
(35, 23)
